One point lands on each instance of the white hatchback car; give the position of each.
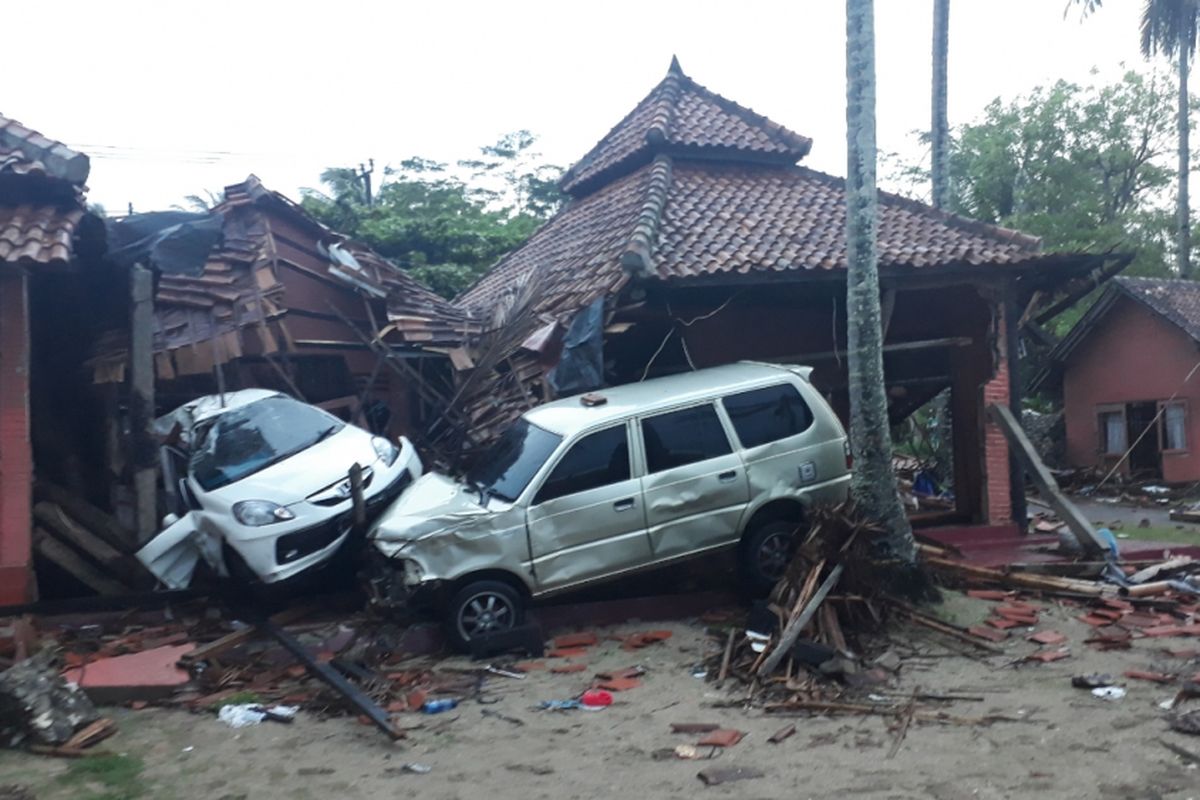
(590, 488)
(266, 495)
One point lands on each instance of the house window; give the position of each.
(1174, 427)
(1113, 438)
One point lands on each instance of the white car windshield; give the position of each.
(251, 438)
(510, 464)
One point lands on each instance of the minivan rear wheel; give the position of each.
(766, 553)
(482, 608)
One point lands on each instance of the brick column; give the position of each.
(997, 495)
(16, 455)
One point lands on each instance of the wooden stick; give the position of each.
(905, 721)
(792, 633)
(1146, 589)
(1022, 579)
(724, 673)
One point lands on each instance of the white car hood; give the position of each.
(309, 471)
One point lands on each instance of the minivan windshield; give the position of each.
(510, 464)
(251, 438)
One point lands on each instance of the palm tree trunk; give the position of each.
(940, 124)
(1182, 209)
(874, 482)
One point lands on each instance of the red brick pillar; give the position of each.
(16, 455)
(997, 477)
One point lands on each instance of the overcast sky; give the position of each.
(171, 99)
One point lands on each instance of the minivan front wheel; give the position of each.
(766, 553)
(482, 608)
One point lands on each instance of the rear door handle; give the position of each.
(726, 477)
(623, 505)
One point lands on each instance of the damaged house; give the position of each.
(1128, 373)
(114, 322)
(695, 237)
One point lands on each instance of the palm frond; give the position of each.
(1166, 25)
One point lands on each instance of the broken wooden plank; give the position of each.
(98, 731)
(63, 527)
(781, 734)
(71, 562)
(1067, 511)
(792, 633)
(98, 522)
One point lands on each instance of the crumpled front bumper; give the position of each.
(389, 587)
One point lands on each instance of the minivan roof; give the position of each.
(569, 415)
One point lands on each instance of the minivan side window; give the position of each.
(768, 415)
(596, 460)
(683, 437)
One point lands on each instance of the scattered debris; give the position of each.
(38, 706)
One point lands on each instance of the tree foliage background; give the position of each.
(445, 223)
(1084, 167)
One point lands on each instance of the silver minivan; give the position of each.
(594, 487)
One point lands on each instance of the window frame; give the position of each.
(1163, 405)
(737, 436)
(723, 421)
(1101, 411)
(539, 482)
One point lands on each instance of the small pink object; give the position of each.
(596, 698)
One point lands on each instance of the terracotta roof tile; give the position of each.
(730, 218)
(680, 115)
(37, 234)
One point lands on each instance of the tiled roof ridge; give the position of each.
(660, 125)
(58, 160)
(957, 220)
(638, 257)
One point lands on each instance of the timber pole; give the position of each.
(143, 452)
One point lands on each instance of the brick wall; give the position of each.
(16, 457)
(997, 496)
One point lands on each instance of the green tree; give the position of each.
(445, 224)
(1169, 27)
(874, 481)
(1084, 167)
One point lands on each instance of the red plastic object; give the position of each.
(596, 698)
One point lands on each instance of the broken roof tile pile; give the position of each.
(691, 186)
(41, 196)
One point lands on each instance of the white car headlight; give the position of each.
(385, 450)
(260, 512)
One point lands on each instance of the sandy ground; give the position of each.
(1068, 744)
